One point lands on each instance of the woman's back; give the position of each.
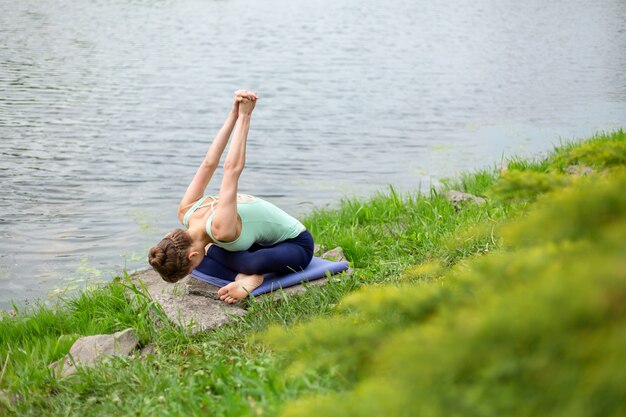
(262, 223)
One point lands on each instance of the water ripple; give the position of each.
(107, 108)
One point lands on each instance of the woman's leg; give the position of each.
(284, 257)
(215, 269)
(225, 225)
(288, 256)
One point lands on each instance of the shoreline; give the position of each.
(490, 289)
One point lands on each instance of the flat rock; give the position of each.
(579, 170)
(458, 197)
(89, 350)
(9, 313)
(147, 350)
(188, 303)
(335, 255)
(8, 398)
(318, 249)
(204, 289)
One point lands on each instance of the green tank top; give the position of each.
(261, 222)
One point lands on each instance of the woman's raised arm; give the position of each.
(203, 176)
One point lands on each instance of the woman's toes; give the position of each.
(222, 291)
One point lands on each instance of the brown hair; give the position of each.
(170, 256)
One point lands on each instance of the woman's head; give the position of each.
(170, 257)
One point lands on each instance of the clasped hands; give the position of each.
(245, 101)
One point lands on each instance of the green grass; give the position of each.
(425, 276)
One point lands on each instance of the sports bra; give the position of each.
(261, 222)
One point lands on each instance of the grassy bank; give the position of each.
(513, 307)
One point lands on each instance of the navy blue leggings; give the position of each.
(287, 256)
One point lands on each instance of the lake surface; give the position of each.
(107, 108)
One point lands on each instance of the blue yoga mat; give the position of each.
(317, 269)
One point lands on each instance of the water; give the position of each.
(107, 108)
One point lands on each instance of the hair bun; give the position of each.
(157, 256)
(170, 256)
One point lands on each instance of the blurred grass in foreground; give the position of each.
(514, 307)
(536, 328)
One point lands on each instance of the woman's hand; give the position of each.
(245, 101)
(246, 94)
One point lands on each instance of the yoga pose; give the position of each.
(246, 236)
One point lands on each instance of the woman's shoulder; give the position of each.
(246, 198)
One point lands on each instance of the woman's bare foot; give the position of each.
(238, 290)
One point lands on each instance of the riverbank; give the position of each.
(511, 307)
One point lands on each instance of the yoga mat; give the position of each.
(317, 269)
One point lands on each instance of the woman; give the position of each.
(246, 236)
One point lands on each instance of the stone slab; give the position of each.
(579, 170)
(457, 198)
(204, 289)
(89, 350)
(148, 350)
(185, 306)
(335, 255)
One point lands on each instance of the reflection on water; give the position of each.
(106, 108)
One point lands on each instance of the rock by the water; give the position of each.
(5, 396)
(9, 313)
(579, 170)
(318, 249)
(457, 198)
(189, 303)
(147, 350)
(204, 289)
(335, 255)
(89, 350)
(9, 398)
